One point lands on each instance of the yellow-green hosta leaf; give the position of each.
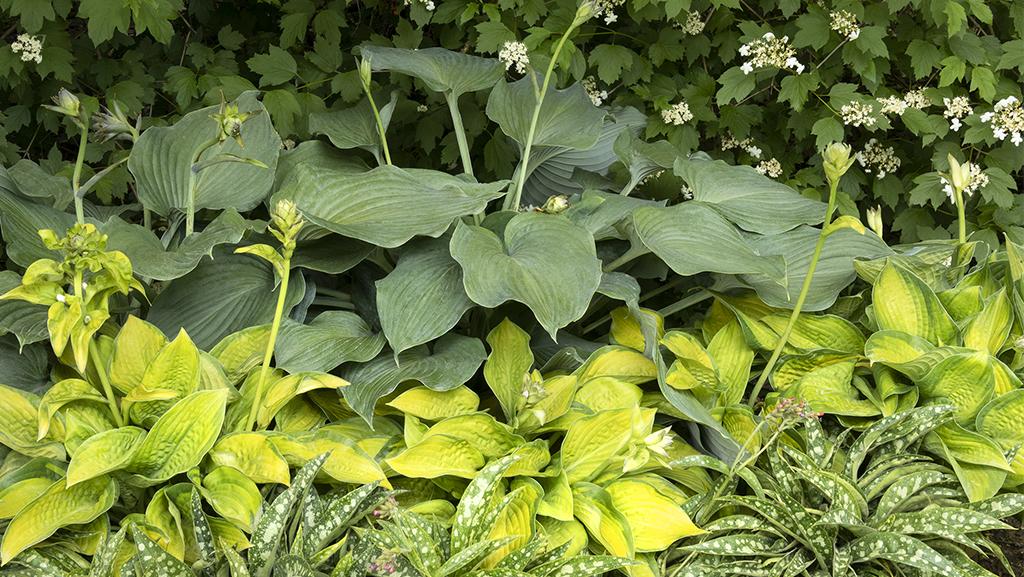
(601, 393)
(556, 502)
(593, 441)
(739, 421)
(593, 506)
(242, 351)
(619, 362)
(911, 355)
(15, 496)
(626, 331)
(19, 424)
(988, 330)
(431, 405)
(82, 421)
(60, 394)
(180, 438)
(482, 431)
(531, 459)
(963, 302)
(172, 375)
(979, 481)
(1005, 379)
(103, 453)
(164, 523)
(655, 520)
(824, 380)
(436, 456)
(515, 520)
(733, 358)
(508, 365)
(346, 461)
(903, 302)
(136, 346)
(59, 506)
(813, 332)
(254, 455)
(559, 391)
(571, 533)
(300, 414)
(963, 380)
(233, 496)
(278, 393)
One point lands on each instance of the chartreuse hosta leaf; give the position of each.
(59, 506)
(622, 363)
(591, 442)
(516, 520)
(543, 261)
(173, 374)
(233, 496)
(430, 405)
(254, 455)
(903, 302)
(62, 393)
(136, 346)
(19, 416)
(347, 461)
(507, 368)
(1000, 420)
(655, 520)
(594, 507)
(436, 456)
(161, 162)
(964, 380)
(484, 433)
(104, 453)
(180, 438)
(988, 330)
(283, 390)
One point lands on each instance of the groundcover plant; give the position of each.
(263, 337)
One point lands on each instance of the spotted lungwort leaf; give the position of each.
(581, 565)
(151, 559)
(900, 491)
(474, 515)
(103, 561)
(903, 550)
(737, 545)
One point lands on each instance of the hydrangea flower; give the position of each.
(29, 47)
(1006, 119)
(514, 55)
(769, 51)
(678, 114)
(878, 159)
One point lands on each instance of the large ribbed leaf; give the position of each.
(386, 206)
(748, 198)
(440, 69)
(423, 298)
(508, 365)
(692, 238)
(332, 338)
(21, 220)
(24, 367)
(568, 118)
(543, 261)
(180, 438)
(454, 361)
(354, 127)
(903, 302)
(220, 297)
(151, 259)
(162, 158)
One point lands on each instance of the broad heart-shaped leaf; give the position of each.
(454, 361)
(423, 297)
(835, 267)
(692, 238)
(354, 127)
(180, 438)
(747, 198)
(21, 220)
(150, 259)
(220, 297)
(440, 69)
(161, 162)
(643, 159)
(903, 302)
(24, 320)
(332, 338)
(543, 261)
(103, 453)
(567, 117)
(386, 206)
(25, 367)
(57, 507)
(552, 167)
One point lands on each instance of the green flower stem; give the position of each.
(961, 216)
(108, 391)
(76, 178)
(269, 353)
(784, 337)
(685, 303)
(627, 256)
(512, 202)
(460, 132)
(380, 127)
(193, 186)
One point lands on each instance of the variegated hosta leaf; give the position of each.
(151, 559)
(902, 550)
(266, 538)
(475, 513)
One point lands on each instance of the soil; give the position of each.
(1012, 543)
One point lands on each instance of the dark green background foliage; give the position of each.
(162, 58)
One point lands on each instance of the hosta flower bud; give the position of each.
(230, 121)
(285, 223)
(583, 13)
(556, 204)
(68, 104)
(838, 159)
(365, 72)
(959, 174)
(113, 124)
(875, 220)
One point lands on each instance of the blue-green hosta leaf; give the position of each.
(454, 361)
(567, 118)
(355, 126)
(423, 297)
(903, 550)
(152, 559)
(600, 212)
(150, 259)
(475, 513)
(835, 267)
(24, 320)
(747, 198)
(543, 261)
(21, 220)
(386, 206)
(440, 69)
(691, 238)
(162, 158)
(36, 182)
(643, 159)
(266, 538)
(221, 297)
(332, 338)
(26, 367)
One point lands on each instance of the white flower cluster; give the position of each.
(917, 99)
(514, 55)
(729, 142)
(606, 8)
(693, 26)
(845, 23)
(893, 105)
(977, 180)
(769, 51)
(421, 108)
(596, 96)
(956, 108)
(878, 159)
(858, 114)
(30, 47)
(1006, 118)
(678, 115)
(771, 168)
(686, 192)
(428, 4)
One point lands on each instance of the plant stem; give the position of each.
(512, 203)
(76, 178)
(961, 216)
(784, 337)
(108, 391)
(380, 127)
(627, 256)
(460, 132)
(193, 185)
(269, 353)
(685, 303)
